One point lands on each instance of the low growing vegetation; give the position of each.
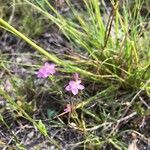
(75, 74)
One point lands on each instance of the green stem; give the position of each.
(25, 115)
(41, 50)
(69, 67)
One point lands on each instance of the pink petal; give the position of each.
(68, 108)
(41, 73)
(49, 65)
(76, 76)
(78, 82)
(46, 64)
(72, 83)
(53, 65)
(74, 91)
(67, 88)
(51, 71)
(80, 87)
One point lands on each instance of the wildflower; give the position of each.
(46, 70)
(68, 108)
(75, 76)
(74, 87)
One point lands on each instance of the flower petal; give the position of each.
(78, 82)
(80, 87)
(68, 88)
(46, 64)
(50, 68)
(74, 91)
(42, 74)
(68, 108)
(46, 70)
(72, 83)
(51, 71)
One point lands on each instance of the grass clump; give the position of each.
(111, 53)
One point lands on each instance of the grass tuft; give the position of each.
(109, 49)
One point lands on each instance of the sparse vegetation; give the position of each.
(103, 43)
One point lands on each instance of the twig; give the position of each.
(133, 99)
(130, 104)
(121, 120)
(99, 126)
(142, 137)
(142, 100)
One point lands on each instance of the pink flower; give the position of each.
(68, 108)
(46, 70)
(74, 87)
(75, 76)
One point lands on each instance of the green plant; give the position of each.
(113, 52)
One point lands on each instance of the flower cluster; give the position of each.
(73, 86)
(46, 70)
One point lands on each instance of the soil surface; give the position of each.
(20, 62)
